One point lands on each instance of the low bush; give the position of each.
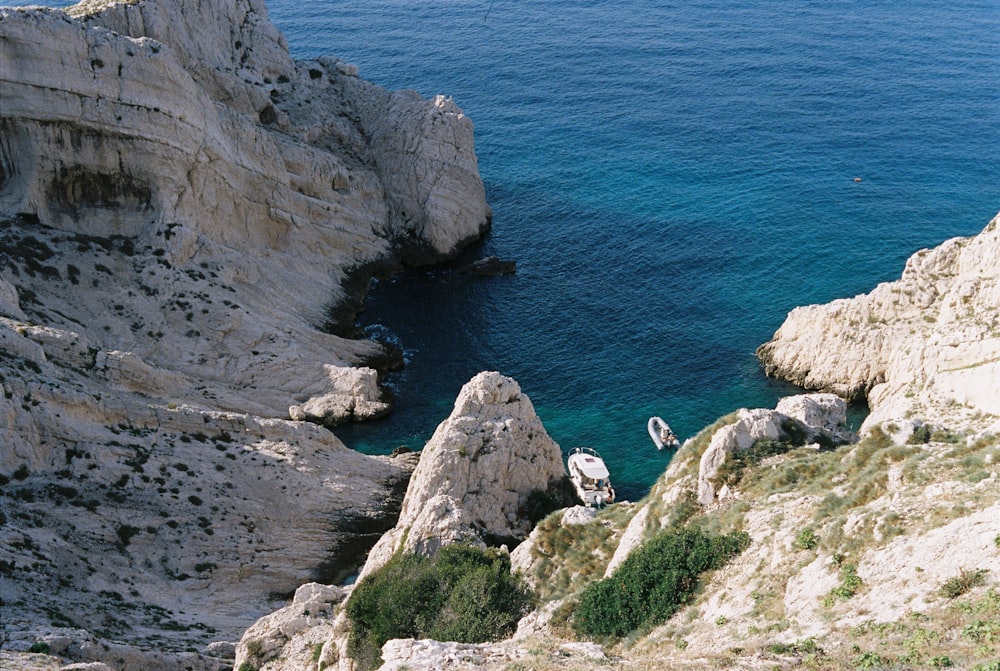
(806, 646)
(920, 435)
(850, 584)
(654, 582)
(736, 464)
(461, 594)
(963, 582)
(806, 539)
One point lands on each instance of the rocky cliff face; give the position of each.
(878, 550)
(476, 474)
(924, 349)
(473, 484)
(182, 207)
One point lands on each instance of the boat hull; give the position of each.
(661, 434)
(590, 477)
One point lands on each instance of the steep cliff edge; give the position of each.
(475, 485)
(873, 551)
(182, 208)
(924, 350)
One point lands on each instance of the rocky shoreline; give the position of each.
(188, 218)
(188, 221)
(923, 350)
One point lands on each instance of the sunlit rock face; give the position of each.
(182, 209)
(476, 473)
(924, 349)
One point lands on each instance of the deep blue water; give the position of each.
(671, 178)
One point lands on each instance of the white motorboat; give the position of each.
(662, 435)
(590, 476)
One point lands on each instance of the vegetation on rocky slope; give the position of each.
(460, 594)
(872, 555)
(654, 582)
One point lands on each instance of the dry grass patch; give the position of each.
(570, 557)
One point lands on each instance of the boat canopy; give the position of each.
(592, 467)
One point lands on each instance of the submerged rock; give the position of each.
(488, 267)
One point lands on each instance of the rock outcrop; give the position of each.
(184, 212)
(476, 473)
(924, 349)
(473, 484)
(355, 396)
(801, 419)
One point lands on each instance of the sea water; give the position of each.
(671, 178)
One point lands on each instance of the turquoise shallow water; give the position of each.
(672, 178)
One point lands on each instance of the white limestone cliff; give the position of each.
(186, 214)
(924, 349)
(811, 415)
(474, 478)
(475, 473)
(127, 141)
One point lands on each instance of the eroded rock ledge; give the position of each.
(181, 206)
(924, 349)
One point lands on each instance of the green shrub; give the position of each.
(963, 582)
(871, 660)
(461, 594)
(654, 582)
(982, 631)
(803, 647)
(255, 646)
(732, 469)
(806, 539)
(40, 647)
(850, 583)
(946, 436)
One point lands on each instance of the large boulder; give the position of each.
(354, 395)
(476, 473)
